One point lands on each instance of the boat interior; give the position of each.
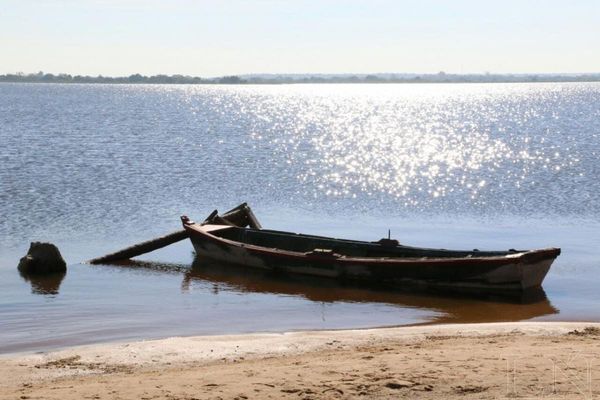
(329, 246)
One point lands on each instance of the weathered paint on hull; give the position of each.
(514, 274)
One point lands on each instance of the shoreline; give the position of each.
(454, 360)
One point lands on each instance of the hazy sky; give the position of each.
(209, 38)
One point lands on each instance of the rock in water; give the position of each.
(42, 258)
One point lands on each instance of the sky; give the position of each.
(215, 38)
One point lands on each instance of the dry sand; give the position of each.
(505, 360)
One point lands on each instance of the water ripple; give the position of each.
(76, 157)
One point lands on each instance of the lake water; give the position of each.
(94, 168)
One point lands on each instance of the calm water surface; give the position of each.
(95, 167)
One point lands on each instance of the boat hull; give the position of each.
(507, 273)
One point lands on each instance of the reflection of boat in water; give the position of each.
(451, 307)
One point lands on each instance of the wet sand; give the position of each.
(497, 360)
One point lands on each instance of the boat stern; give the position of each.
(535, 266)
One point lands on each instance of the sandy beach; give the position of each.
(499, 360)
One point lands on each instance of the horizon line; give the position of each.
(250, 74)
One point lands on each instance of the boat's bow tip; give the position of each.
(553, 251)
(542, 254)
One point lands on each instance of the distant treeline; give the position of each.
(440, 77)
(42, 77)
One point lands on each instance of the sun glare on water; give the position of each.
(422, 145)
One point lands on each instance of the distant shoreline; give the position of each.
(271, 79)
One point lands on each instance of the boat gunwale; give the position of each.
(527, 256)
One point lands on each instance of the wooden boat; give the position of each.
(383, 262)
